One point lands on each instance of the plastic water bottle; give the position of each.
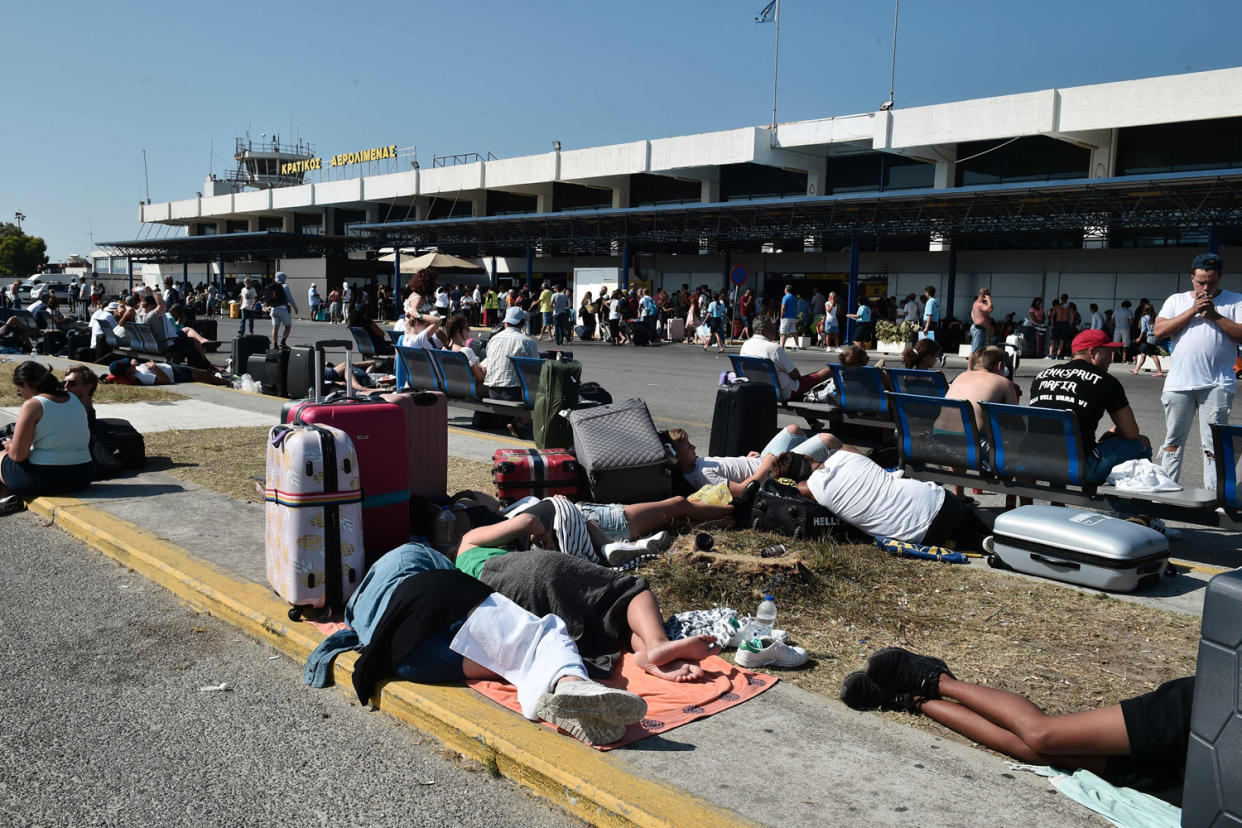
(765, 617)
(444, 534)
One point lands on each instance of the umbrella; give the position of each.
(438, 261)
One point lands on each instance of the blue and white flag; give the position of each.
(766, 14)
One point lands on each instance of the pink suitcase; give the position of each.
(314, 549)
(379, 431)
(426, 415)
(676, 329)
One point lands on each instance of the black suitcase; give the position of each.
(243, 346)
(300, 372)
(593, 393)
(122, 440)
(54, 343)
(621, 454)
(79, 346)
(639, 333)
(1213, 770)
(783, 510)
(744, 419)
(206, 328)
(275, 372)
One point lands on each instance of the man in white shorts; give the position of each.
(279, 300)
(789, 317)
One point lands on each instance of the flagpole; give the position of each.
(776, 65)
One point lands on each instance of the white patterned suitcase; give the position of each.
(314, 550)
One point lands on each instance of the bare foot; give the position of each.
(677, 671)
(694, 648)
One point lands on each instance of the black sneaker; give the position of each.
(902, 671)
(860, 692)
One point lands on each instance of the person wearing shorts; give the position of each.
(789, 317)
(1140, 743)
(279, 301)
(137, 372)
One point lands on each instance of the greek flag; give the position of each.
(766, 13)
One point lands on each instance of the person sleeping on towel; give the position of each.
(605, 611)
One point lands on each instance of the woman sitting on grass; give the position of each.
(49, 452)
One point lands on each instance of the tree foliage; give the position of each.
(20, 254)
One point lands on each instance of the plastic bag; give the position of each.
(713, 494)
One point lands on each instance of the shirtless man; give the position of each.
(981, 319)
(984, 382)
(1061, 317)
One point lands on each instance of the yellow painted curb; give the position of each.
(592, 786)
(484, 435)
(1204, 568)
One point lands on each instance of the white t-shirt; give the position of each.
(469, 354)
(422, 339)
(879, 503)
(911, 310)
(146, 375)
(101, 320)
(248, 297)
(1202, 355)
(759, 346)
(1097, 321)
(614, 309)
(709, 471)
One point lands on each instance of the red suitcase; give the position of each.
(378, 430)
(426, 414)
(523, 472)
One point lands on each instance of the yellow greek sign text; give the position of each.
(342, 160)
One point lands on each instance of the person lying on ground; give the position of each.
(882, 504)
(49, 452)
(1140, 743)
(417, 618)
(137, 372)
(737, 472)
(360, 375)
(606, 612)
(792, 383)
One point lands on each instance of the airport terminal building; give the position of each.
(1103, 192)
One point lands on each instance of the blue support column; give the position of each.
(129, 265)
(221, 281)
(1213, 240)
(625, 266)
(852, 305)
(185, 276)
(950, 285)
(530, 266)
(396, 272)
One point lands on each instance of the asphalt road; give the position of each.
(104, 721)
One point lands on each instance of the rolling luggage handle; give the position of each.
(322, 346)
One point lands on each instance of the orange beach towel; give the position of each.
(669, 704)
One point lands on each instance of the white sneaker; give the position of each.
(622, 552)
(590, 712)
(659, 542)
(753, 653)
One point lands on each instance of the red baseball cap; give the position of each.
(1093, 338)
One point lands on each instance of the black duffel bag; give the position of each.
(782, 509)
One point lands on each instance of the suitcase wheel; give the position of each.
(295, 614)
(504, 468)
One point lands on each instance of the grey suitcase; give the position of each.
(1078, 547)
(1213, 790)
(621, 454)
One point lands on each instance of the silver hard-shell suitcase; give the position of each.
(1079, 547)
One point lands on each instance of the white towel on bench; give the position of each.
(1142, 476)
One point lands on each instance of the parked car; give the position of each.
(53, 282)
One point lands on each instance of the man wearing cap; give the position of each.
(1205, 324)
(502, 377)
(102, 320)
(1083, 385)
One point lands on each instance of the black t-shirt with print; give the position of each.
(1079, 386)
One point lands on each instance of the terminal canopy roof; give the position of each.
(1172, 202)
(234, 247)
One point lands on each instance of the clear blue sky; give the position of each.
(89, 85)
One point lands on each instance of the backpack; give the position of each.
(274, 295)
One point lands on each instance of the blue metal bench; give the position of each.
(935, 433)
(419, 370)
(368, 346)
(860, 391)
(528, 369)
(915, 381)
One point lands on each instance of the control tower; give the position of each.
(260, 163)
